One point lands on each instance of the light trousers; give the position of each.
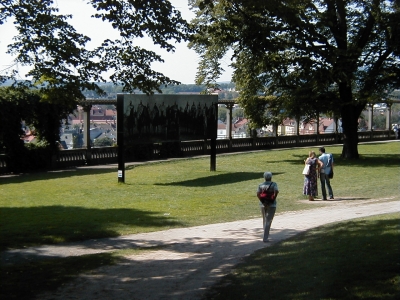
(268, 214)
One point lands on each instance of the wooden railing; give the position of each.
(109, 155)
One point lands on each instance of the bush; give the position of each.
(37, 157)
(103, 142)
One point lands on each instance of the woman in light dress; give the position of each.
(310, 187)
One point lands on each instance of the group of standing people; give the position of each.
(319, 167)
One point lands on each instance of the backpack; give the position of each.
(267, 196)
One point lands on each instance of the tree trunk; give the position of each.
(350, 144)
(350, 114)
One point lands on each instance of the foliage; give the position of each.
(362, 124)
(45, 118)
(238, 113)
(187, 88)
(37, 157)
(228, 95)
(314, 56)
(110, 87)
(222, 114)
(42, 117)
(395, 117)
(103, 142)
(12, 111)
(62, 65)
(379, 122)
(77, 140)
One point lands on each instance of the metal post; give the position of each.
(120, 138)
(213, 156)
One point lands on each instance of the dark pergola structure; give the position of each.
(88, 103)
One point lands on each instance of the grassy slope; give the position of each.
(77, 205)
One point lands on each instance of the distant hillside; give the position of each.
(111, 88)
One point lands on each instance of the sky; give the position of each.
(180, 65)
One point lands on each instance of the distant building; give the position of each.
(326, 125)
(307, 127)
(221, 130)
(288, 127)
(95, 133)
(238, 129)
(67, 139)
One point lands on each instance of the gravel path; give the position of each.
(191, 259)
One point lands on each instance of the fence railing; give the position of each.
(109, 155)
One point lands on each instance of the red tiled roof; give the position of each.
(221, 126)
(240, 123)
(111, 112)
(324, 123)
(288, 122)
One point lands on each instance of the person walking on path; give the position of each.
(267, 209)
(327, 167)
(310, 186)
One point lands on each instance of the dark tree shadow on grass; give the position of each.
(25, 281)
(59, 174)
(24, 227)
(220, 179)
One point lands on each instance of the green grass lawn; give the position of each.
(357, 259)
(350, 260)
(76, 205)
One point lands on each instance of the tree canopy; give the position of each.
(313, 56)
(61, 65)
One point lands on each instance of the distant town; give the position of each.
(103, 119)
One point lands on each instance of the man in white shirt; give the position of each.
(327, 160)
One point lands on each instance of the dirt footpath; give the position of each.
(191, 259)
